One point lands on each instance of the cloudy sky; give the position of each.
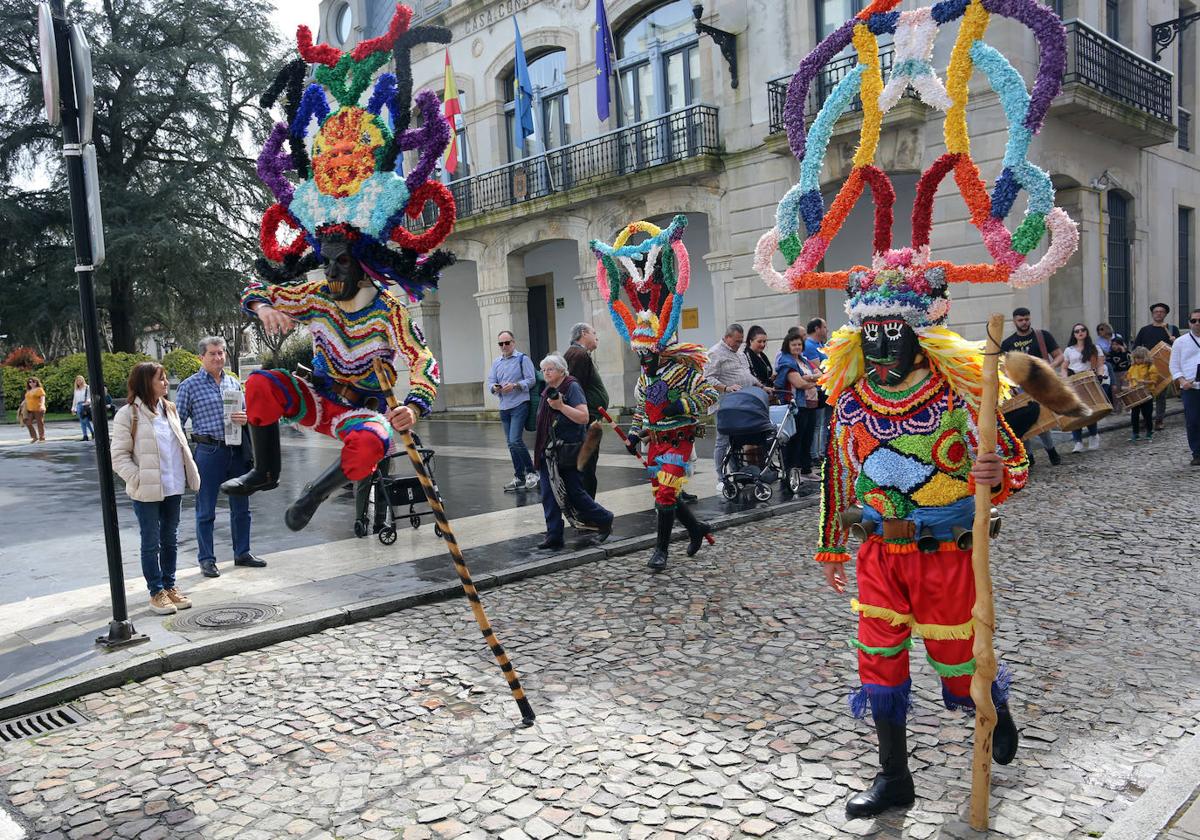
(291, 13)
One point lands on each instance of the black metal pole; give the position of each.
(120, 629)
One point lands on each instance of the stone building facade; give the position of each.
(682, 138)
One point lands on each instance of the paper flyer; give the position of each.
(233, 401)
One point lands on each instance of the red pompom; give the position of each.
(318, 53)
(398, 27)
(436, 235)
(268, 234)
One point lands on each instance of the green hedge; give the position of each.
(181, 363)
(58, 377)
(296, 350)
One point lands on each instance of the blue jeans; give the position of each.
(85, 424)
(1191, 419)
(1077, 435)
(513, 420)
(217, 463)
(159, 524)
(585, 506)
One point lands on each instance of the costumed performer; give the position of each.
(906, 391)
(346, 212)
(672, 393)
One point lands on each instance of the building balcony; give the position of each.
(908, 111)
(659, 150)
(1111, 90)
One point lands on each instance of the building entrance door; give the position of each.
(541, 316)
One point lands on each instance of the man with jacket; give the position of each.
(727, 371)
(583, 369)
(1150, 336)
(512, 379)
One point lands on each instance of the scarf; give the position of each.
(545, 420)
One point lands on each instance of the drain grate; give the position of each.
(224, 617)
(40, 723)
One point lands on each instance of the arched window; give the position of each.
(659, 62)
(551, 107)
(1120, 267)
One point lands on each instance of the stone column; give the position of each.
(613, 359)
(720, 271)
(427, 316)
(501, 309)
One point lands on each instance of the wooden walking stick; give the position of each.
(621, 434)
(984, 611)
(460, 565)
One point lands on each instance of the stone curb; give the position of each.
(159, 662)
(1151, 812)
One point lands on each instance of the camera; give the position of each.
(552, 393)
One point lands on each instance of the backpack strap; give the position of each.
(1041, 340)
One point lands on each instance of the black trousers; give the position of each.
(798, 451)
(1143, 412)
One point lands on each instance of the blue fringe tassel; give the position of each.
(949, 10)
(1000, 690)
(1004, 194)
(887, 701)
(882, 23)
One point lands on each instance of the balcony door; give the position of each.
(1120, 268)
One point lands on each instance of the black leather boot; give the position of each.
(1004, 736)
(666, 521)
(264, 475)
(696, 529)
(315, 492)
(894, 785)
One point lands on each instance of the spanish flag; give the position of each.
(453, 112)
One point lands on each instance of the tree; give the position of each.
(177, 85)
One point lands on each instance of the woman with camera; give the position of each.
(562, 420)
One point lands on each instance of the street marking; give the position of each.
(9, 829)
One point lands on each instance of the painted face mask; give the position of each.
(342, 270)
(891, 348)
(649, 361)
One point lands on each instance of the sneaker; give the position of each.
(531, 481)
(161, 604)
(1196, 461)
(181, 601)
(1134, 437)
(1055, 458)
(1149, 435)
(1158, 425)
(1078, 447)
(1094, 442)
(515, 484)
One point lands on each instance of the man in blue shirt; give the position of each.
(199, 399)
(511, 379)
(817, 333)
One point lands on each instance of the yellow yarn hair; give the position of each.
(958, 360)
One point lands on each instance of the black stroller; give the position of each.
(380, 501)
(756, 439)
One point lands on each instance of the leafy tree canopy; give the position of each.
(177, 122)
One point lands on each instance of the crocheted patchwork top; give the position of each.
(897, 452)
(673, 381)
(346, 344)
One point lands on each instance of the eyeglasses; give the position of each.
(1081, 331)
(503, 343)
(1194, 320)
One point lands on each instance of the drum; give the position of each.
(1046, 419)
(1087, 387)
(1161, 356)
(1136, 395)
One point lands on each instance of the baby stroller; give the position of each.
(382, 499)
(757, 433)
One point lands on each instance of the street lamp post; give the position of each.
(71, 64)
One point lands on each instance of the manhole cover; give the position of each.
(224, 617)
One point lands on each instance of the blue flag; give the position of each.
(605, 58)
(522, 97)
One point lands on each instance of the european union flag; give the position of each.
(522, 97)
(605, 57)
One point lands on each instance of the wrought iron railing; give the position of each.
(1184, 124)
(1116, 71)
(679, 135)
(833, 73)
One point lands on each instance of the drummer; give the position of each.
(1038, 343)
(1150, 336)
(1081, 355)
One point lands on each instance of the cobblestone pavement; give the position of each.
(705, 702)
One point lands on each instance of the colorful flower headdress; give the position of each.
(654, 275)
(349, 173)
(907, 282)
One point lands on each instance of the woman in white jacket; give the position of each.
(151, 455)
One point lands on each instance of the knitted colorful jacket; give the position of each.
(345, 344)
(674, 380)
(902, 451)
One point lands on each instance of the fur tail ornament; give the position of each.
(591, 442)
(1039, 380)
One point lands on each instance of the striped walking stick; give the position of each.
(984, 611)
(460, 564)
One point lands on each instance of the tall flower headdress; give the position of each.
(348, 178)
(654, 274)
(907, 282)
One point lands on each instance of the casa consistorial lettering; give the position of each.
(492, 13)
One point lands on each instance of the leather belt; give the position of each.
(692, 432)
(212, 441)
(899, 529)
(355, 397)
